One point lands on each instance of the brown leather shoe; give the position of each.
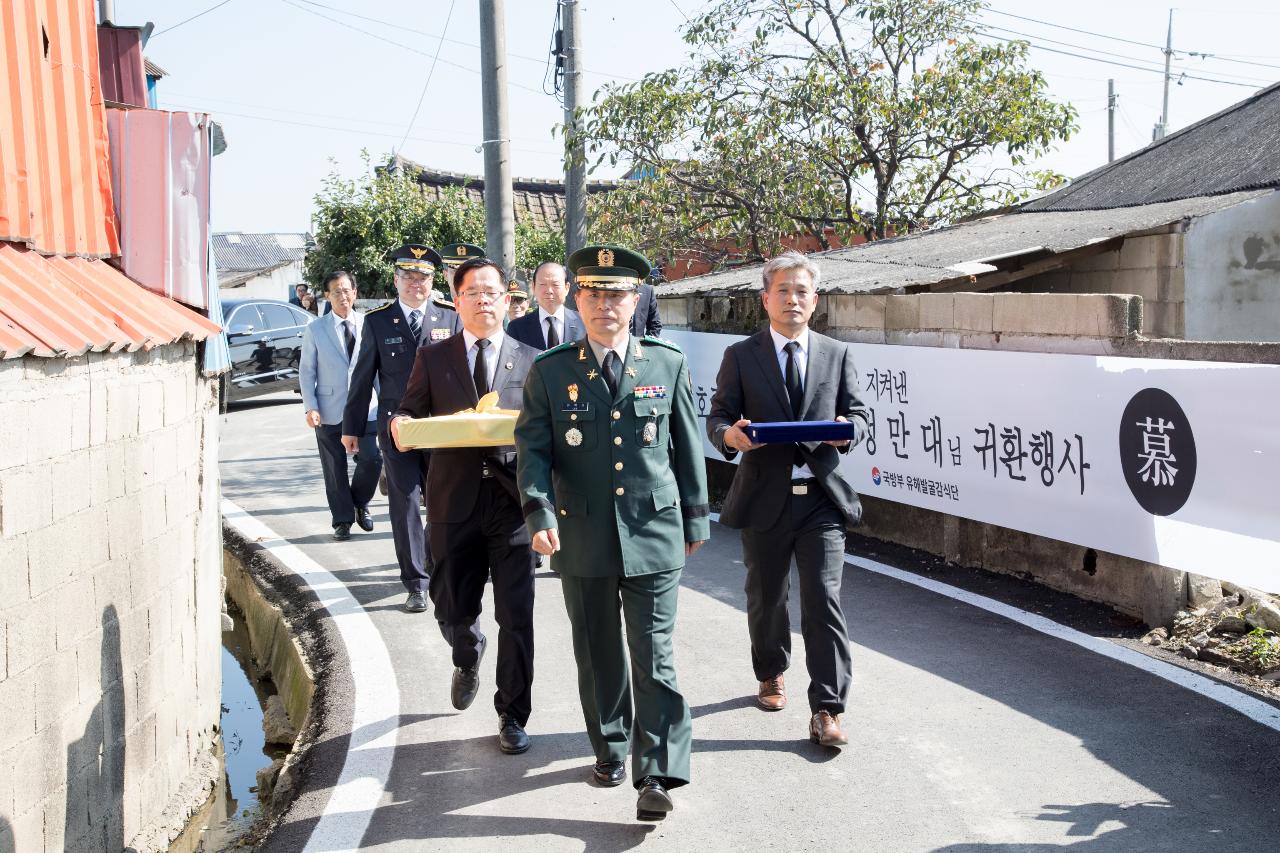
(824, 728)
(773, 693)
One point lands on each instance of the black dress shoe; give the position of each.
(364, 519)
(654, 801)
(511, 736)
(416, 603)
(610, 774)
(466, 683)
(537, 561)
(342, 532)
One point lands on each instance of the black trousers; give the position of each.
(810, 528)
(406, 478)
(345, 495)
(492, 542)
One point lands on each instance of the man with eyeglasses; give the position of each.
(391, 339)
(477, 528)
(329, 345)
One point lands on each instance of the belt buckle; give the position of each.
(799, 488)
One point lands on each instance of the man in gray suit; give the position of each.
(477, 527)
(329, 344)
(790, 500)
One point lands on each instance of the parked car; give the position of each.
(265, 340)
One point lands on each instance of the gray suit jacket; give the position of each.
(441, 384)
(324, 370)
(750, 386)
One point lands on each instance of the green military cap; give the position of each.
(417, 258)
(608, 268)
(515, 289)
(456, 254)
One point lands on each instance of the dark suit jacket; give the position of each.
(750, 386)
(441, 384)
(527, 330)
(646, 320)
(387, 352)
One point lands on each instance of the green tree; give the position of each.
(868, 117)
(358, 222)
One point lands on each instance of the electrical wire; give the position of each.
(189, 20)
(430, 73)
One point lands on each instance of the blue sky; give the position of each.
(298, 83)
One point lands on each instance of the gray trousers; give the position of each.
(810, 528)
(658, 727)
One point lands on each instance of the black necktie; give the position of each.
(415, 325)
(349, 336)
(553, 337)
(612, 364)
(795, 392)
(479, 374)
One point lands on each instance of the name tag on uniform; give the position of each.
(440, 334)
(393, 340)
(575, 407)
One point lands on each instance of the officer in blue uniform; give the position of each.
(392, 335)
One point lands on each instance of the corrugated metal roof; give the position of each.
(54, 306)
(55, 182)
(238, 252)
(120, 65)
(919, 261)
(1236, 149)
(153, 70)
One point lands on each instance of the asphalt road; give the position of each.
(969, 732)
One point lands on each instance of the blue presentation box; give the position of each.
(789, 432)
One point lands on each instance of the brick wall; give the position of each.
(109, 594)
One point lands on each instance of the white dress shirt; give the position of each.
(491, 358)
(601, 351)
(557, 319)
(799, 472)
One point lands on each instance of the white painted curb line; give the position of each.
(375, 712)
(1255, 709)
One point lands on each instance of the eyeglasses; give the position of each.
(343, 291)
(482, 295)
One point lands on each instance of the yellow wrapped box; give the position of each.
(484, 426)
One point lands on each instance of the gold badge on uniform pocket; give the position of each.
(573, 437)
(650, 432)
(573, 393)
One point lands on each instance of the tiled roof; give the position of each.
(236, 252)
(535, 200)
(1236, 149)
(57, 306)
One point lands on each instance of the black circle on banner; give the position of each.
(1157, 451)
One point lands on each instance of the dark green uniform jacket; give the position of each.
(624, 479)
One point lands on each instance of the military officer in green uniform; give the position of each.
(455, 255)
(612, 481)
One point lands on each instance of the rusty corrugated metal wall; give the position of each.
(120, 65)
(55, 179)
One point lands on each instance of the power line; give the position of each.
(1182, 75)
(192, 18)
(430, 72)
(678, 9)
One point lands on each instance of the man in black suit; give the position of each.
(477, 526)
(646, 320)
(554, 322)
(790, 500)
(391, 337)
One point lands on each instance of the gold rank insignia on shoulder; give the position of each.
(638, 352)
(573, 393)
(417, 253)
(582, 353)
(604, 258)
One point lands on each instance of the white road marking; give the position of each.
(375, 712)
(1255, 709)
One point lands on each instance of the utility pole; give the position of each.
(1111, 120)
(499, 225)
(107, 11)
(1163, 127)
(575, 173)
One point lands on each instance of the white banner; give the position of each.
(1171, 462)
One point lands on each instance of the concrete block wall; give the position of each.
(109, 593)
